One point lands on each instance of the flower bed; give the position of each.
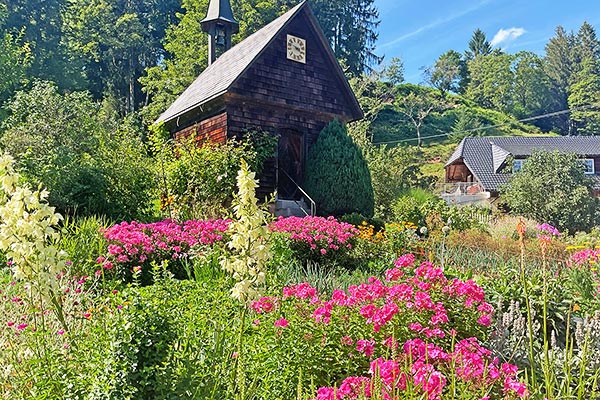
(136, 244)
(317, 238)
(416, 331)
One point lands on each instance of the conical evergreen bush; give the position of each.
(337, 175)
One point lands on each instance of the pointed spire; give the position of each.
(220, 24)
(220, 10)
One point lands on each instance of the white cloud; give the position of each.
(506, 36)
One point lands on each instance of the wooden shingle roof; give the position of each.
(218, 78)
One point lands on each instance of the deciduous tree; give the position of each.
(552, 188)
(446, 73)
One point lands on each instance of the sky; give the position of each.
(419, 31)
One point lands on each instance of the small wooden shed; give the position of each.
(283, 79)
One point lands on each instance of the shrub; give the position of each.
(201, 178)
(552, 187)
(317, 238)
(83, 241)
(337, 175)
(89, 162)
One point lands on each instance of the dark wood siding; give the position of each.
(277, 81)
(244, 115)
(213, 129)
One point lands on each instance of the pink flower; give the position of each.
(485, 320)
(406, 260)
(10, 323)
(263, 305)
(22, 327)
(61, 332)
(365, 346)
(281, 323)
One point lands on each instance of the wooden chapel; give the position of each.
(283, 79)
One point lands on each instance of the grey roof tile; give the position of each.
(482, 154)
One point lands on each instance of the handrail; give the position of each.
(313, 205)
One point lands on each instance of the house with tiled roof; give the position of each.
(283, 79)
(481, 165)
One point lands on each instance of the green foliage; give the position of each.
(418, 105)
(446, 73)
(394, 71)
(467, 124)
(478, 45)
(186, 56)
(115, 42)
(407, 208)
(340, 20)
(337, 175)
(201, 178)
(552, 188)
(393, 171)
(89, 163)
(82, 239)
(584, 99)
(137, 363)
(358, 220)
(15, 58)
(423, 208)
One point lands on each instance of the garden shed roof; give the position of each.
(486, 156)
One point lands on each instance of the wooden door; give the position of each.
(290, 164)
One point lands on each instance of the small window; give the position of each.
(588, 166)
(517, 165)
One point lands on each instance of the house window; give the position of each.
(517, 165)
(588, 166)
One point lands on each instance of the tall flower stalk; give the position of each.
(29, 237)
(249, 244)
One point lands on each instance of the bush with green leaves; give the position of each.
(198, 178)
(337, 175)
(553, 188)
(90, 163)
(425, 209)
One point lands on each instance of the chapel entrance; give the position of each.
(290, 164)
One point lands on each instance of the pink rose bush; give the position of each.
(135, 245)
(415, 331)
(316, 238)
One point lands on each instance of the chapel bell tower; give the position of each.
(220, 25)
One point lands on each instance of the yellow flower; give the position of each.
(576, 307)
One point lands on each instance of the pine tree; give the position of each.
(584, 99)
(559, 66)
(588, 46)
(478, 45)
(351, 28)
(337, 175)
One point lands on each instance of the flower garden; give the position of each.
(253, 307)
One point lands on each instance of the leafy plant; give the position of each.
(552, 187)
(201, 176)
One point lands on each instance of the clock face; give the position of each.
(296, 49)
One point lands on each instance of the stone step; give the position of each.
(287, 208)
